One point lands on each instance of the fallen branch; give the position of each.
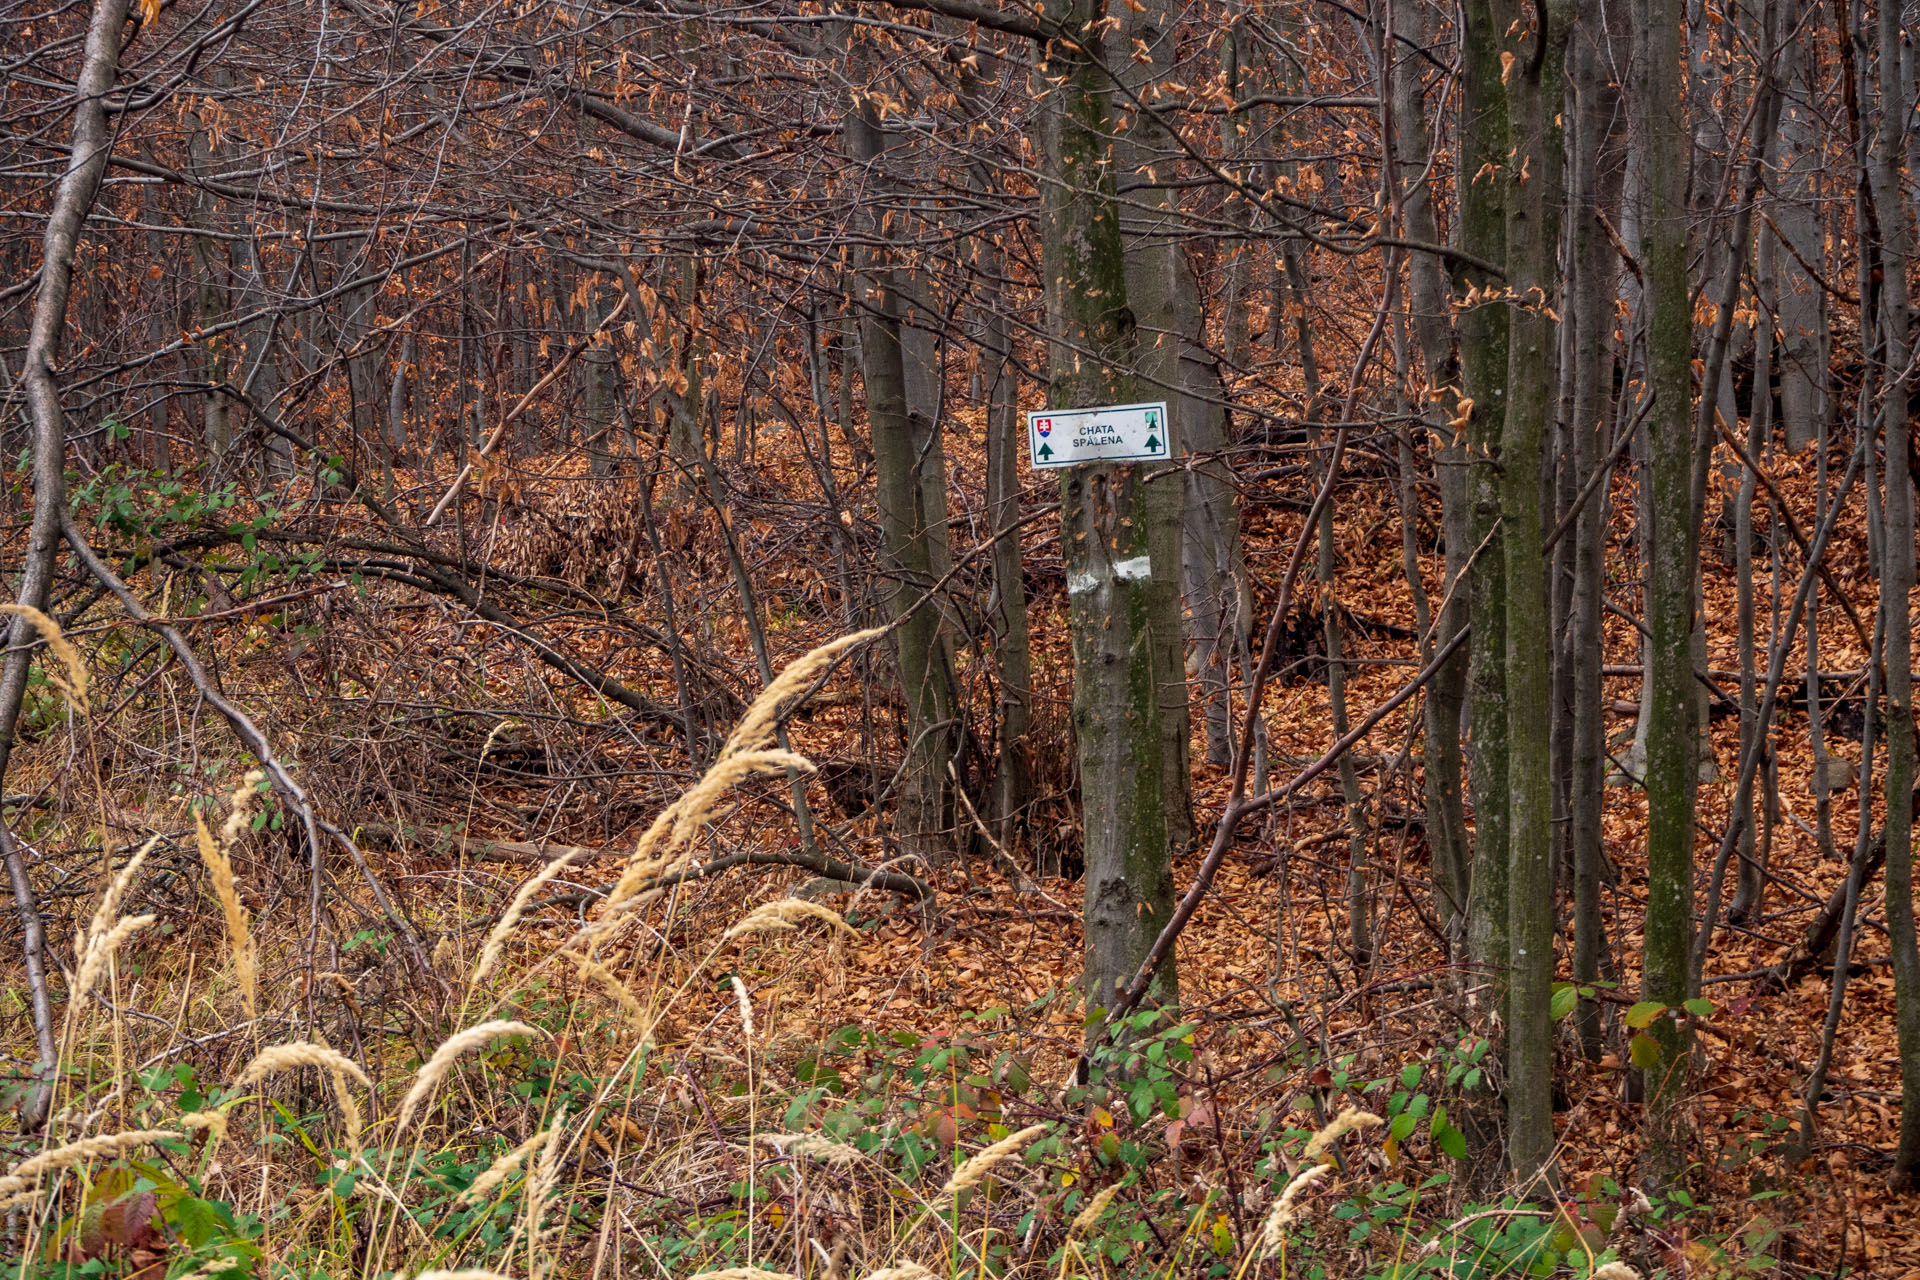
(820, 864)
(256, 741)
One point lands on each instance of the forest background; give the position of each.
(549, 729)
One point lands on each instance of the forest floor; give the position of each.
(926, 1027)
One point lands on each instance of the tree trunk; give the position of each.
(1013, 774)
(1897, 579)
(1532, 170)
(72, 201)
(1483, 331)
(1590, 313)
(1116, 583)
(210, 269)
(1428, 292)
(1659, 114)
(924, 818)
(1803, 302)
(1194, 526)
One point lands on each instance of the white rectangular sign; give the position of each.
(1110, 433)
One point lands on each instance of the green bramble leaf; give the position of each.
(1641, 1016)
(1643, 1050)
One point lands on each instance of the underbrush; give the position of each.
(622, 1099)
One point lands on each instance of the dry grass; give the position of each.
(975, 1170)
(106, 931)
(78, 1153)
(76, 682)
(299, 1053)
(779, 917)
(436, 1068)
(714, 1140)
(1273, 1232)
(503, 1168)
(496, 941)
(217, 857)
(1346, 1122)
(815, 1145)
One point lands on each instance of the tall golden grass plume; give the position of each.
(497, 936)
(975, 1170)
(493, 736)
(779, 917)
(742, 757)
(301, 1053)
(339, 1068)
(501, 1169)
(1346, 1122)
(1089, 1215)
(1273, 1233)
(662, 849)
(544, 1175)
(818, 1146)
(106, 931)
(757, 726)
(73, 1153)
(743, 1273)
(610, 983)
(100, 952)
(103, 934)
(729, 772)
(901, 1271)
(350, 1117)
(1614, 1271)
(241, 806)
(745, 1002)
(215, 856)
(435, 1069)
(647, 862)
(212, 1123)
(74, 685)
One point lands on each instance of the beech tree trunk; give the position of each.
(925, 818)
(1895, 217)
(1444, 775)
(1590, 314)
(1108, 538)
(1659, 108)
(1533, 238)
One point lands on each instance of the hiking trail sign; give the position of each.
(1109, 433)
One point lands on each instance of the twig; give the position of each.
(488, 445)
(256, 742)
(72, 202)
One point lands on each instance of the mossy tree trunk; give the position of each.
(1195, 523)
(1532, 170)
(1118, 587)
(1659, 110)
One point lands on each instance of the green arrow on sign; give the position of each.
(1046, 451)
(1153, 444)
